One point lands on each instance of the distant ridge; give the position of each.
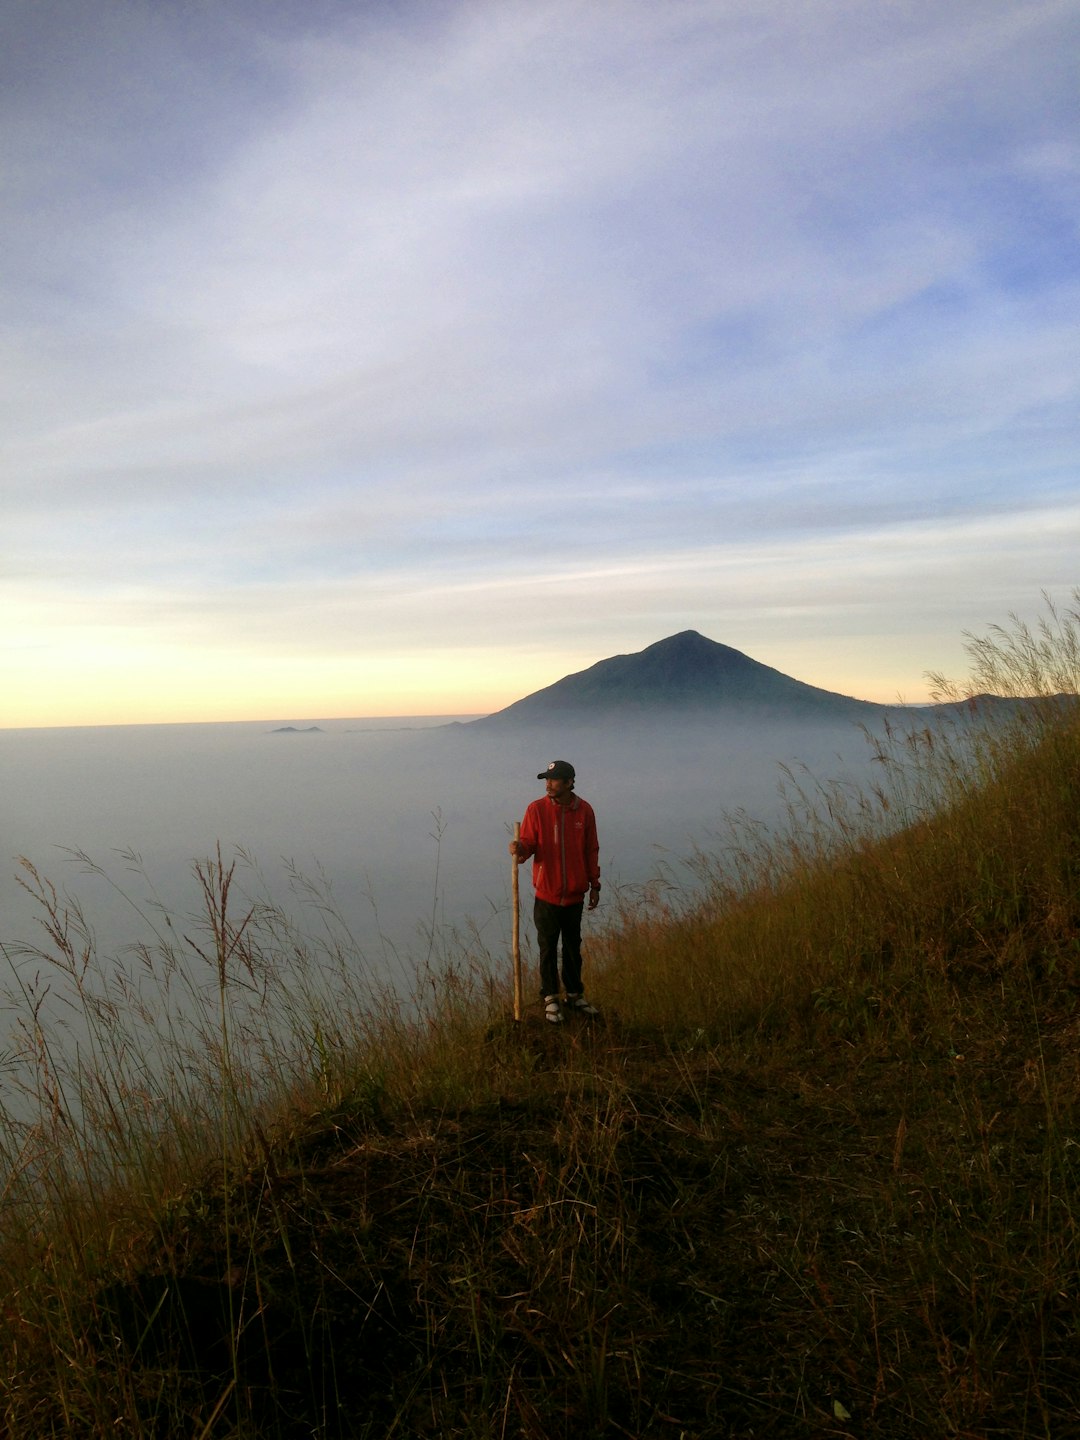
(686, 674)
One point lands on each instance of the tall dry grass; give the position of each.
(956, 857)
(131, 1078)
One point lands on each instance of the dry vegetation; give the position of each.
(814, 1173)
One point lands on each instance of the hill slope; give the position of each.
(813, 1173)
(685, 674)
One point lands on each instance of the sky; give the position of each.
(400, 358)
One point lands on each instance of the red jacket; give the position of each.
(566, 854)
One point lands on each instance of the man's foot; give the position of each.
(552, 1010)
(580, 1006)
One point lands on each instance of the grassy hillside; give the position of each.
(814, 1173)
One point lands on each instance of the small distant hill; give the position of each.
(297, 730)
(686, 674)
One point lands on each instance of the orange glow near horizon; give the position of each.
(178, 689)
(118, 686)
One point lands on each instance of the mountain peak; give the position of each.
(686, 673)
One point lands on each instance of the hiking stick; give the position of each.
(516, 926)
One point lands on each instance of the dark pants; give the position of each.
(555, 923)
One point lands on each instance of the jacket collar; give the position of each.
(574, 802)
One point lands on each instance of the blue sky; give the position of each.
(401, 358)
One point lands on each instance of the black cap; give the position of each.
(557, 770)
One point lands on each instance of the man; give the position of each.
(559, 831)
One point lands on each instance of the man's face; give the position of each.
(557, 789)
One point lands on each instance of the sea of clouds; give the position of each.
(405, 822)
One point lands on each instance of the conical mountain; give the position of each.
(685, 674)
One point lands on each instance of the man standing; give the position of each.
(559, 831)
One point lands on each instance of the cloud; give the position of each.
(315, 310)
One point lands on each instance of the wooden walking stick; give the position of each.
(516, 926)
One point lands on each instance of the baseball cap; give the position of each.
(557, 770)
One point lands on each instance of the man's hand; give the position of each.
(594, 896)
(517, 850)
